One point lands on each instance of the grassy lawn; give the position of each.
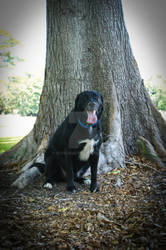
(13, 128)
(8, 142)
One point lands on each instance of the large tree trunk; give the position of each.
(88, 48)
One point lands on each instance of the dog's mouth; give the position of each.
(92, 117)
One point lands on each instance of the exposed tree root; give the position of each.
(26, 178)
(28, 174)
(111, 156)
(20, 153)
(146, 149)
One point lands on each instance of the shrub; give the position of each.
(157, 94)
(21, 95)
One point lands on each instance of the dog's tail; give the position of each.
(29, 175)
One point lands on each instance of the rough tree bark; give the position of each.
(88, 47)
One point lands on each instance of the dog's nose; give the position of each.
(91, 105)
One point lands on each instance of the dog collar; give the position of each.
(87, 126)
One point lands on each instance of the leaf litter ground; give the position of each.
(129, 212)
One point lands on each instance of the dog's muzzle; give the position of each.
(91, 112)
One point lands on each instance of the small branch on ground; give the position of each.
(143, 165)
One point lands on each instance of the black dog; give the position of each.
(75, 145)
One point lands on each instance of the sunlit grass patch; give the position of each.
(7, 142)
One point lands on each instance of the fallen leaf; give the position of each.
(89, 227)
(63, 209)
(31, 199)
(51, 208)
(95, 243)
(115, 172)
(102, 218)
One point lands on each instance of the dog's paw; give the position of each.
(87, 181)
(48, 185)
(94, 188)
(72, 189)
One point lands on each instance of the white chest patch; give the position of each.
(87, 150)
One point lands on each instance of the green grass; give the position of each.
(8, 142)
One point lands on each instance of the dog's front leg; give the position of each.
(93, 163)
(70, 175)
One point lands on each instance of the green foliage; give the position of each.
(6, 42)
(157, 92)
(2, 103)
(162, 103)
(21, 95)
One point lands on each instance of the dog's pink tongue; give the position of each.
(92, 118)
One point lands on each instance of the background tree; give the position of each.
(21, 95)
(18, 94)
(88, 47)
(156, 89)
(6, 42)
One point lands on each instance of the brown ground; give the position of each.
(132, 216)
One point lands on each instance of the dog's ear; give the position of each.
(76, 103)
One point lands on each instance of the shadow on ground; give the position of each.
(129, 212)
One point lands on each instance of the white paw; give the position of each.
(87, 181)
(48, 185)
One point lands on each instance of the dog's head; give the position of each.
(89, 106)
